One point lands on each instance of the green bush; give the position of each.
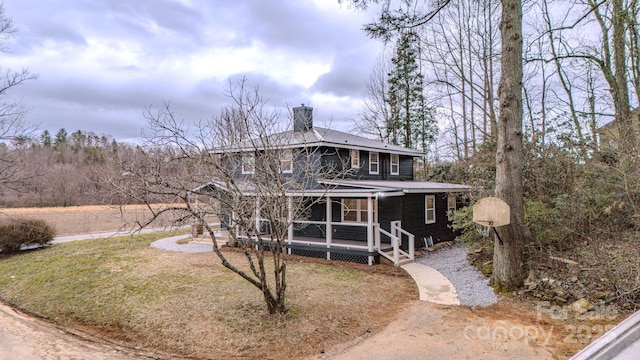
(466, 229)
(16, 233)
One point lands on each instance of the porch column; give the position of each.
(290, 221)
(329, 226)
(370, 226)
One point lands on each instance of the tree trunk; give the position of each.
(621, 95)
(508, 264)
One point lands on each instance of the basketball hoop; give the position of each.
(483, 230)
(489, 213)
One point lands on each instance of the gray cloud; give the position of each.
(101, 62)
(347, 77)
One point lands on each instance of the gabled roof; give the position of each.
(316, 137)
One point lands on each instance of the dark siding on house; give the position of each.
(406, 169)
(339, 158)
(413, 209)
(410, 209)
(390, 209)
(336, 160)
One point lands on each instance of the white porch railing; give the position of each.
(395, 236)
(398, 231)
(395, 244)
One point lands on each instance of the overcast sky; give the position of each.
(101, 62)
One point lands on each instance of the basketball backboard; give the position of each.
(491, 211)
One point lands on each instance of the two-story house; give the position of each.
(372, 209)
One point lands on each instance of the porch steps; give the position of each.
(402, 259)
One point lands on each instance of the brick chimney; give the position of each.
(302, 118)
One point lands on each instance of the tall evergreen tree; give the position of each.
(45, 138)
(411, 124)
(61, 138)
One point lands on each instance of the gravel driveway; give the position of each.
(472, 287)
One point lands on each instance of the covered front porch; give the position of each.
(347, 236)
(350, 220)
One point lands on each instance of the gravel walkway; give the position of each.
(171, 244)
(473, 288)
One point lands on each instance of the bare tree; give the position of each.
(12, 125)
(375, 115)
(241, 170)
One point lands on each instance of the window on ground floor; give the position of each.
(451, 205)
(429, 209)
(355, 210)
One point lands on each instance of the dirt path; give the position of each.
(430, 331)
(26, 338)
(423, 331)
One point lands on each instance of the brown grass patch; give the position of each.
(190, 305)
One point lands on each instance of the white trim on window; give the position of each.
(395, 164)
(374, 163)
(248, 163)
(355, 159)
(355, 210)
(451, 205)
(286, 161)
(429, 209)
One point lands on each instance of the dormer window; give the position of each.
(355, 159)
(374, 163)
(395, 164)
(248, 163)
(286, 161)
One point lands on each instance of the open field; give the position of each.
(189, 305)
(75, 220)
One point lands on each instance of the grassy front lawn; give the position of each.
(189, 305)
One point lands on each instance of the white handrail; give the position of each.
(396, 228)
(394, 244)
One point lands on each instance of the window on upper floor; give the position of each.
(429, 209)
(286, 161)
(355, 210)
(395, 164)
(355, 159)
(248, 163)
(374, 163)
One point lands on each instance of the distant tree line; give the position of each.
(69, 170)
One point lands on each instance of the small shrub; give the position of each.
(466, 229)
(18, 232)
